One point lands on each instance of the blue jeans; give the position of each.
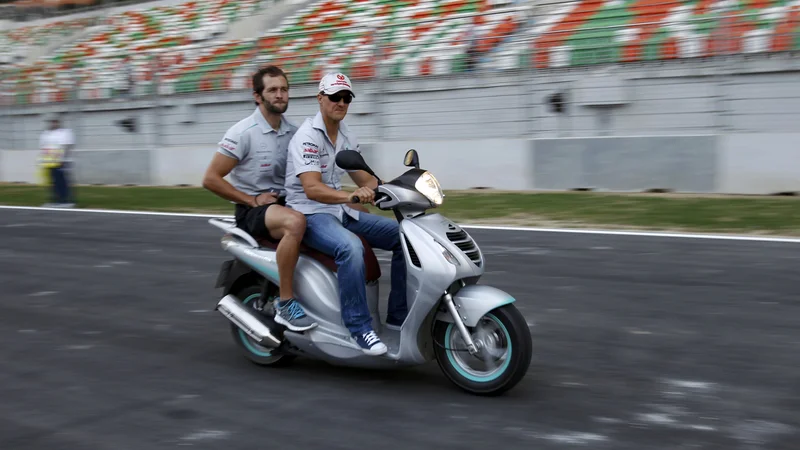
(325, 233)
(61, 191)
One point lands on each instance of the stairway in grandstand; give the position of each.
(267, 17)
(403, 37)
(206, 45)
(18, 43)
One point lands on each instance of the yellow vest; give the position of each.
(51, 157)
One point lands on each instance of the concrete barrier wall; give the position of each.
(18, 166)
(702, 164)
(759, 163)
(680, 163)
(725, 125)
(462, 164)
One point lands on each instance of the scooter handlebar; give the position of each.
(378, 196)
(356, 199)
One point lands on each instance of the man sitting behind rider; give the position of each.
(254, 151)
(313, 187)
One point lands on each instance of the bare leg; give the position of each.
(289, 226)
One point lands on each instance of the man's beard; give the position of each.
(276, 109)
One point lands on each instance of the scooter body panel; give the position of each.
(318, 289)
(430, 273)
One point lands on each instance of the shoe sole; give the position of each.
(287, 324)
(373, 352)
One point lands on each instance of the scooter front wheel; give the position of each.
(505, 349)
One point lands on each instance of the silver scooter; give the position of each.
(478, 337)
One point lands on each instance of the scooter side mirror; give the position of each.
(352, 160)
(411, 159)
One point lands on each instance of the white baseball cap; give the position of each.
(335, 82)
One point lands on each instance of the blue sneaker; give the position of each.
(370, 343)
(290, 314)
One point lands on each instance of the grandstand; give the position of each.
(620, 31)
(181, 47)
(16, 43)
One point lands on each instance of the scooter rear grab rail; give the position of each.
(229, 226)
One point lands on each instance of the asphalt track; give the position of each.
(108, 341)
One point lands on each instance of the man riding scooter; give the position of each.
(313, 187)
(253, 152)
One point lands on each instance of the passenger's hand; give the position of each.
(266, 198)
(364, 194)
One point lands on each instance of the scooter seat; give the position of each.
(372, 268)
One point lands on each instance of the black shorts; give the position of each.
(251, 220)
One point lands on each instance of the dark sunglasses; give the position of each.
(338, 96)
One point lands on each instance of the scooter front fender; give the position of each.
(474, 301)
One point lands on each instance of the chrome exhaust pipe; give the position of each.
(241, 316)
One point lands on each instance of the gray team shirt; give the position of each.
(261, 152)
(311, 150)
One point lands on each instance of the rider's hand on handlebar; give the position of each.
(364, 194)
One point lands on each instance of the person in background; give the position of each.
(56, 144)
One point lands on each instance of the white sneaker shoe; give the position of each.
(370, 343)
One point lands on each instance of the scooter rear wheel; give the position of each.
(504, 357)
(256, 353)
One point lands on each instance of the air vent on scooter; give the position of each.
(412, 253)
(464, 242)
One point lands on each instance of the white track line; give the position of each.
(117, 211)
(730, 237)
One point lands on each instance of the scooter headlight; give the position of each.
(428, 186)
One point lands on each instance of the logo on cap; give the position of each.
(340, 76)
